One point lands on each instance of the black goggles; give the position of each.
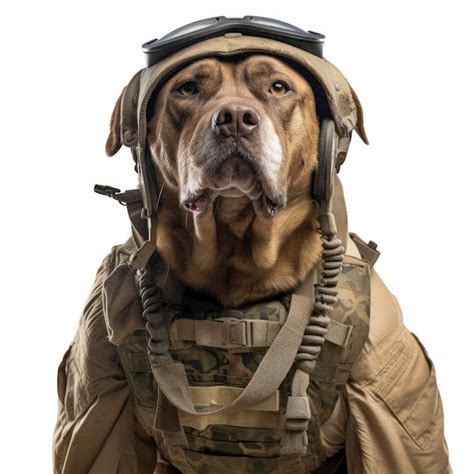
(201, 30)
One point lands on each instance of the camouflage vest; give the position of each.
(220, 362)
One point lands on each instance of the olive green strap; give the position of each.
(138, 224)
(338, 333)
(171, 377)
(340, 211)
(234, 333)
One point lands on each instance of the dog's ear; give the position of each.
(114, 141)
(360, 117)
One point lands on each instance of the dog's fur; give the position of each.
(230, 245)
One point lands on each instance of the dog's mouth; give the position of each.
(234, 174)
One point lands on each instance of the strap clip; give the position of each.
(236, 331)
(298, 414)
(124, 198)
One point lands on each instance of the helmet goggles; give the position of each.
(259, 26)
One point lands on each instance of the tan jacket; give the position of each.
(390, 418)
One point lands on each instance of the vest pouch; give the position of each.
(216, 377)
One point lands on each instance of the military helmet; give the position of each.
(225, 37)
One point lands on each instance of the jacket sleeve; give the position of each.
(96, 428)
(391, 415)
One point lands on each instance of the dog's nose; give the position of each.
(235, 120)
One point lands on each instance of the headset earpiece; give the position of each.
(323, 181)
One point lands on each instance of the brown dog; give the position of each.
(235, 143)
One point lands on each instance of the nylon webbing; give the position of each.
(231, 333)
(338, 333)
(139, 225)
(225, 332)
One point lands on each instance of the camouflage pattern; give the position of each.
(389, 416)
(228, 448)
(335, 363)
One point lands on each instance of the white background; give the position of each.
(64, 64)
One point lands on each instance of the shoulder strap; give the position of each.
(340, 211)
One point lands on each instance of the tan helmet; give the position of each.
(344, 106)
(336, 101)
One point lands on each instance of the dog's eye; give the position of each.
(188, 88)
(279, 88)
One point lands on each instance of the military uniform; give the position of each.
(388, 414)
(374, 405)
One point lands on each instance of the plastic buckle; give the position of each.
(232, 335)
(248, 333)
(298, 408)
(106, 190)
(111, 192)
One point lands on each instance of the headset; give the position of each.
(332, 148)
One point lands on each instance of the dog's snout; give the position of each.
(235, 120)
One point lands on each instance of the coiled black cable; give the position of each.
(324, 301)
(157, 314)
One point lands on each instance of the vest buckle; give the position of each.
(236, 332)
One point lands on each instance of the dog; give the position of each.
(234, 144)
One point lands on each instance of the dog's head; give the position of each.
(235, 142)
(233, 128)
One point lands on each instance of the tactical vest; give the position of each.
(221, 350)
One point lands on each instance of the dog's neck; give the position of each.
(234, 254)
